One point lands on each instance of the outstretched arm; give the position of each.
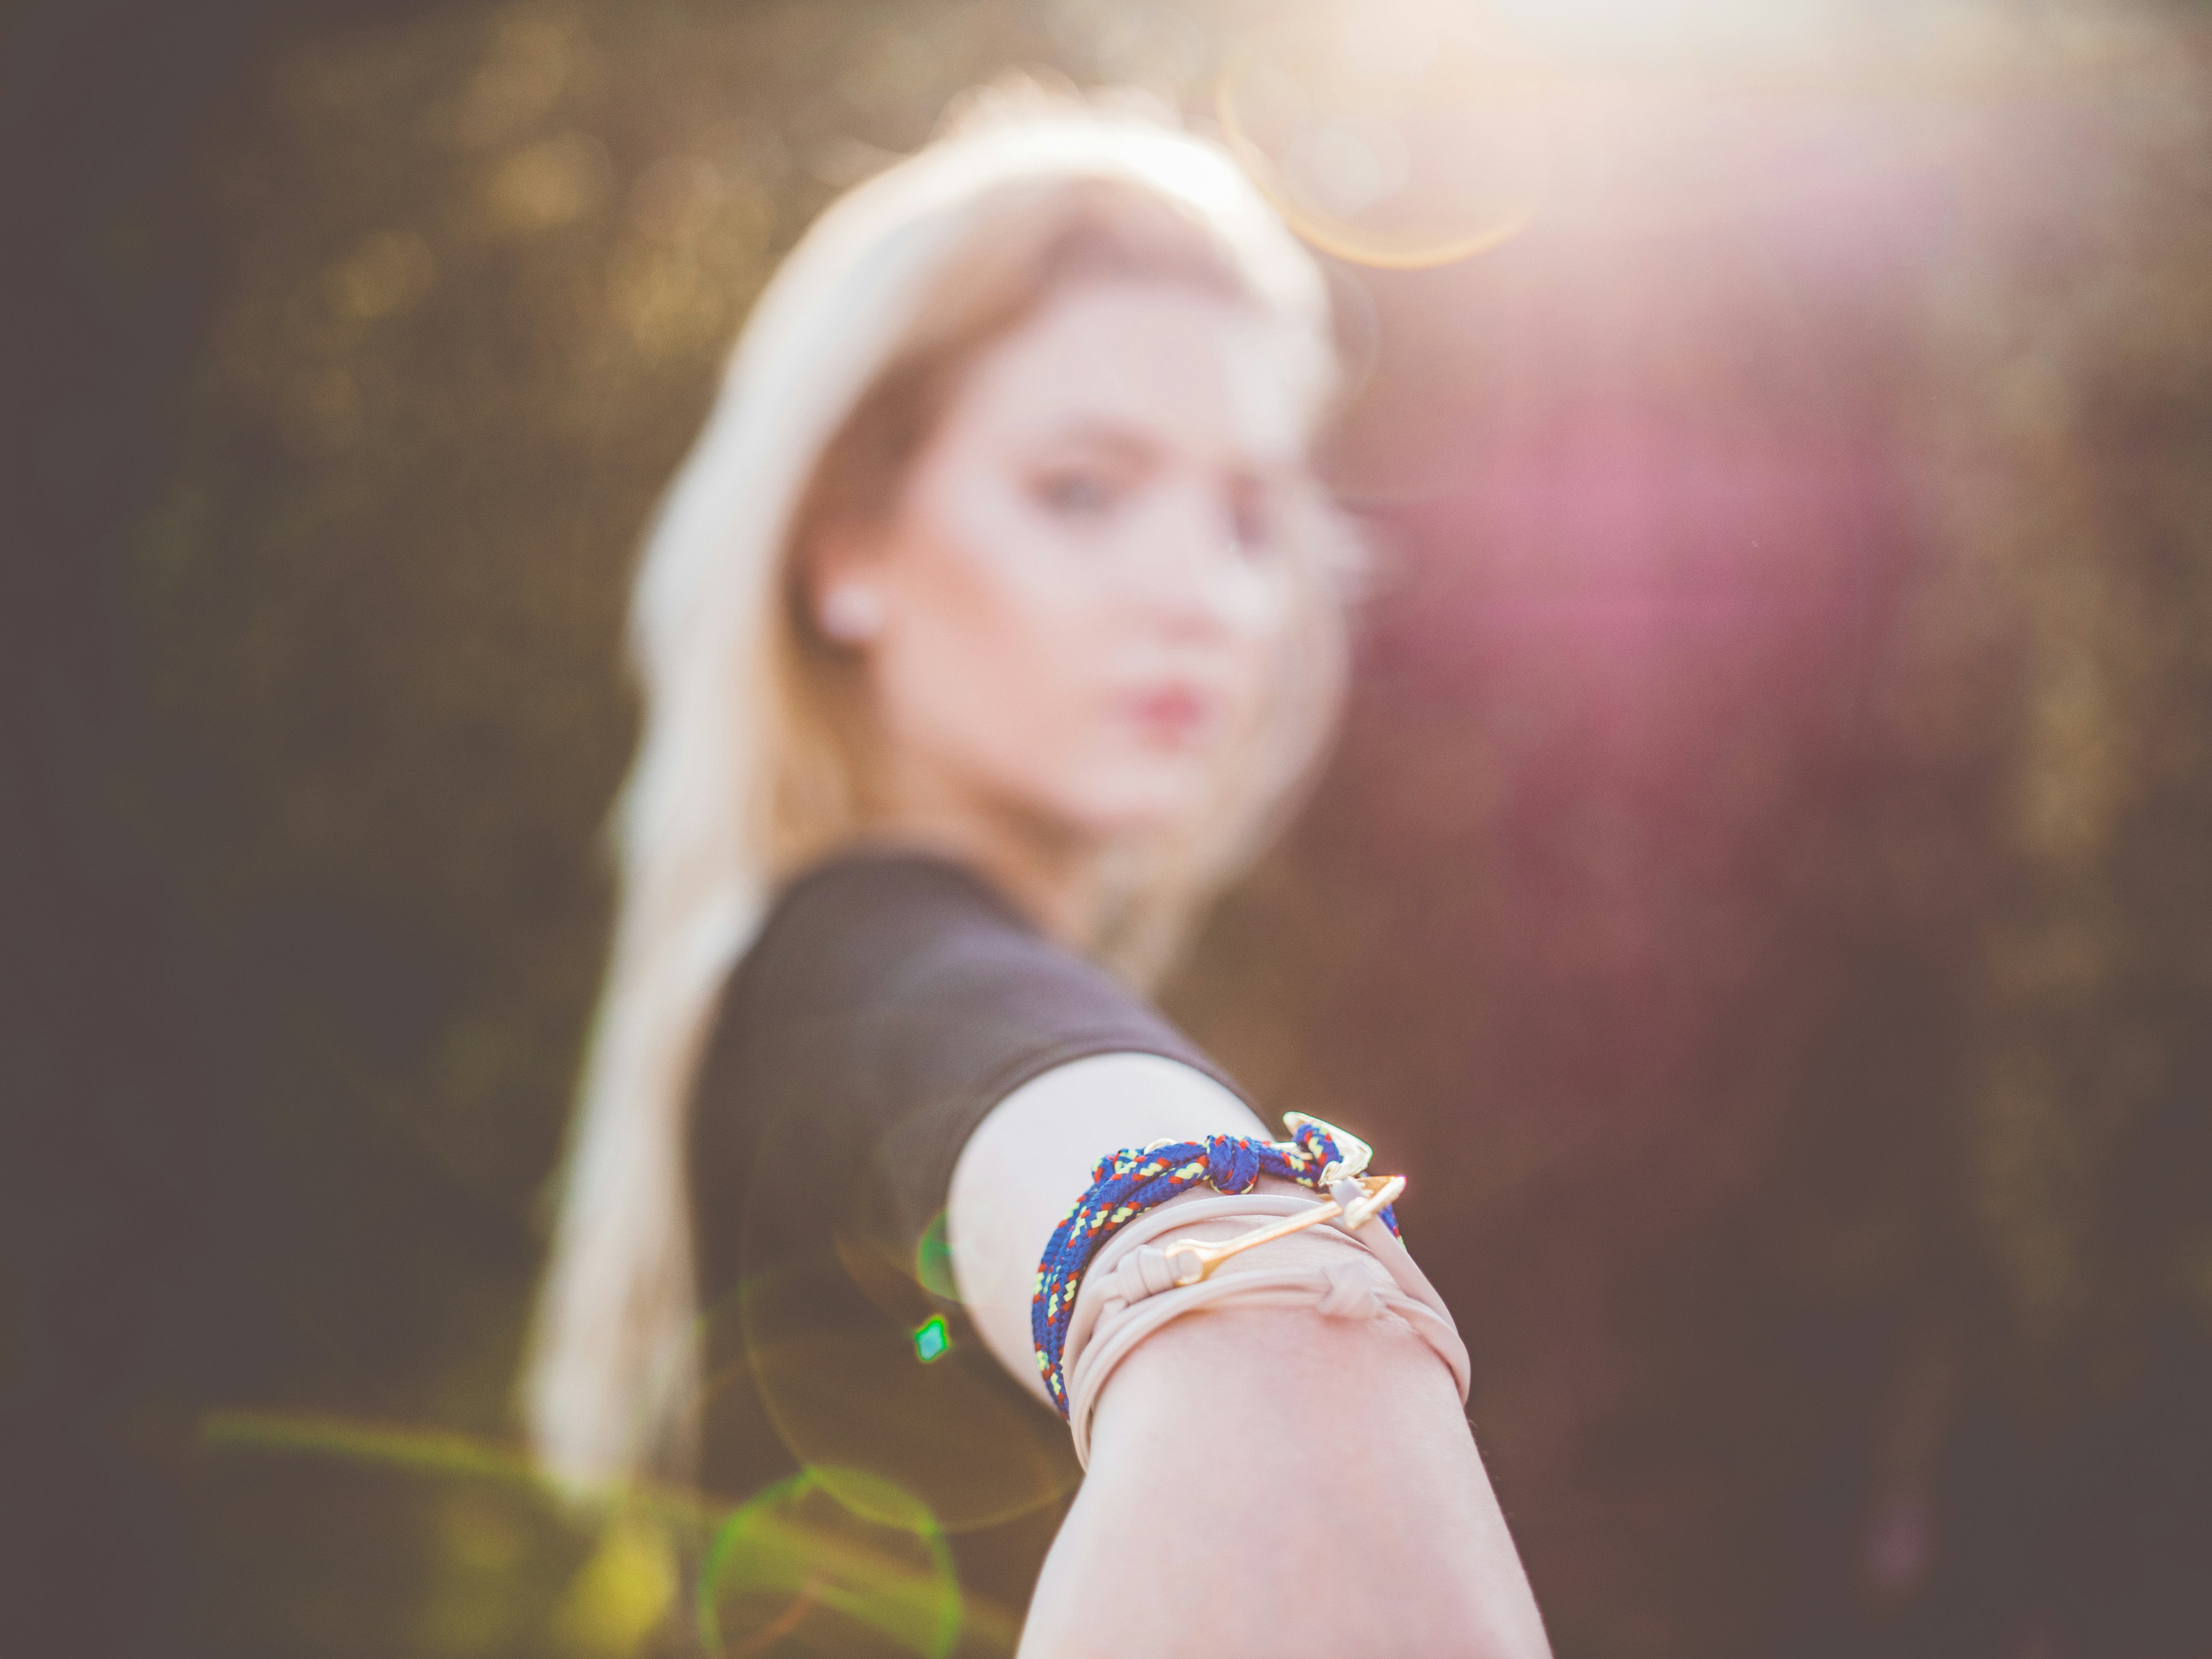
(1262, 1480)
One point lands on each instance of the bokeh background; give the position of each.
(1762, 893)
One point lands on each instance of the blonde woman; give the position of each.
(990, 626)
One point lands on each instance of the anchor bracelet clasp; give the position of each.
(1356, 1198)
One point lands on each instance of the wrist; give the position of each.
(1248, 1447)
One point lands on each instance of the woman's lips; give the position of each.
(1176, 715)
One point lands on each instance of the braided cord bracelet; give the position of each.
(1127, 1183)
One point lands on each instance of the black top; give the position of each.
(890, 1001)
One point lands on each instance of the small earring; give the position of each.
(851, 613)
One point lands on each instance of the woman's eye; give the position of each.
(1077, 494)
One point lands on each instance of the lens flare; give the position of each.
(1392, 137)
(930, 1341)
(893, 1386)
(932, 1260)
(800, 1562)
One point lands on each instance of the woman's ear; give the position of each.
(844, 591)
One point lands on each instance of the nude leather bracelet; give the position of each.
(1130, 1292)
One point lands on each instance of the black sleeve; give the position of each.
(888, 1003)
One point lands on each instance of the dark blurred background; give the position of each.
(1762, 894)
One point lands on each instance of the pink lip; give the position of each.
(1177, 714)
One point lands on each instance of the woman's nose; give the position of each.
(1192, 571)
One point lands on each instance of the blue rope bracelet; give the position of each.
(1127, 1183)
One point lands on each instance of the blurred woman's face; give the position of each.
(1079, 590)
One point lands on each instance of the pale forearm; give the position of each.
(1265, 1482)
(1263, 1479)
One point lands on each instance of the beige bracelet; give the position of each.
(1131, 1290)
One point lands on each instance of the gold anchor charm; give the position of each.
(1353, 1193)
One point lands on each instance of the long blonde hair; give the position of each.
(752, 759)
